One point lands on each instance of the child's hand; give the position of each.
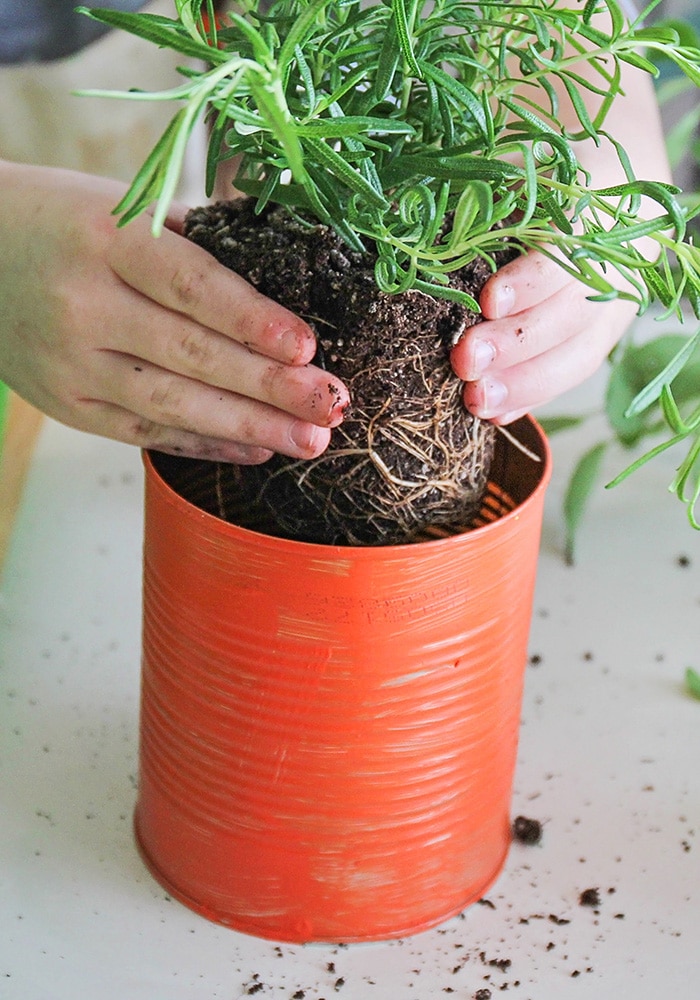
(540, 337)
(149, 341)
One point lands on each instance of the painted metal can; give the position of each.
(329, 734)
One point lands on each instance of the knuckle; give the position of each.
(247, 432)
(142, 432)
(188, 286)
(271, 377)
(195, 349)
(166, 400)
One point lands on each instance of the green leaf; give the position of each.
(448, 293)
(464, 97)
(665, 34)
(634, 59)
(353, 125)
(387, 65)
(652, 391)
(161, 31)
(272, 106)
(583, 479)
(341, 169)
(187, 14)
(403, 31)
(259, 50)
(692, 682)
(688, 66)
(688, 475)
(574, 92)
(474, 211)
(619, 394)
(300, 30)
(147, 183)
(449, 165)
(559, 423)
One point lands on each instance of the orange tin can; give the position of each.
(329, 734)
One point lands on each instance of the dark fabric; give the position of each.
(43, 30)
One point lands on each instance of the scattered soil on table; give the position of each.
(527, 831)
(590, 897)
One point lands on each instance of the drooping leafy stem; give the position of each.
(653, 391)
(686, 483)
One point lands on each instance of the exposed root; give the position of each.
(518, 444)
(407, 457)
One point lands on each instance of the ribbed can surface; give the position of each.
(329, 735)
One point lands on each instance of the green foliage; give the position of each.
(692, 682)
(653, 392)
(650, 384)
(581, 484)
(674, 390)
(385, 119)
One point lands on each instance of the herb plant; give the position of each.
(383, 119)
(430, 133)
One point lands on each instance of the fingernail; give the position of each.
(305, 436)
(504, 301)
(494, 395)
(483, 353)
(244, 454)
(294, 346)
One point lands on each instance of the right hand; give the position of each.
(148, 341)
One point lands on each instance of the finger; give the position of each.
(114, 422)
(509, 418)
(495, 345)
(521, 284)
(177, 344)
(186, 279)
(164, 399)
(540, 379)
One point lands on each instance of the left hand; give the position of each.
(540, 336)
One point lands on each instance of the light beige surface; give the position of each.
(43, 121)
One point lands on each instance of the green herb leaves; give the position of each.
(692, 682)
(653, 395)
(349, 110)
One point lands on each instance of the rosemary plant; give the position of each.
(381, 119)
(430, 132)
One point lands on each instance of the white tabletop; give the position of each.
(609, 763)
